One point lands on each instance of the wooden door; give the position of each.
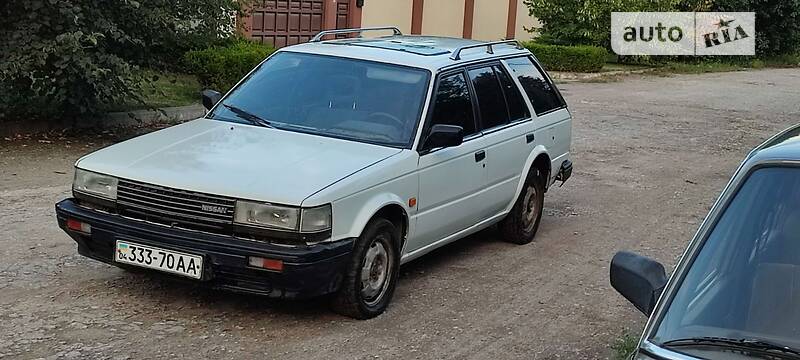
(288, 22)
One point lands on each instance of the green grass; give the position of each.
(700, 67)
(624, 346)
(164, 89)
(609, 67)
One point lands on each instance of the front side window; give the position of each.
(543, 95)
(744, 283)
(453, 105)
(330, 96)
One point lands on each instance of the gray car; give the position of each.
(735, 293)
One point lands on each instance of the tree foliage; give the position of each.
(69, 58)
(573, 22)
(777, 23)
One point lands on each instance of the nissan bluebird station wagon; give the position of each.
(328, 166)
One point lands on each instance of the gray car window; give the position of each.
(745, 281)
(453, 105)
(543, 95)
(332, 96)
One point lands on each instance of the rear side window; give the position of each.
(490, 97)
(517, 109)
(542, 93)
(453, 104)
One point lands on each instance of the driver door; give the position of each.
(450, 179)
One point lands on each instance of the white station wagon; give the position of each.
(328, 166)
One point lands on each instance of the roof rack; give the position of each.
(321, 34)
(489, 47)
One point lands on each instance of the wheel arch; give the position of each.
(391, 208)
(539, 157)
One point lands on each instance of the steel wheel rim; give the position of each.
(530, 210)
(375, 274)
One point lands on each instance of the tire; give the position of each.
(520, 225)
(376, 256)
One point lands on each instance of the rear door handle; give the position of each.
(480, 155)
(529, 138)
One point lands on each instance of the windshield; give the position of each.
(745, 281)
(330, 96)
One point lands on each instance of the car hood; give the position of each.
(241, 161)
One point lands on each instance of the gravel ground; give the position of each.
(650, 154)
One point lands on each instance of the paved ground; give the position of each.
(650, 155)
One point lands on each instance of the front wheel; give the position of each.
(521, 224)
(371, 275)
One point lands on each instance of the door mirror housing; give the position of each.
(442, 136)
(210, 98)
(639, 279)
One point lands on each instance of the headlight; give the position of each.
(316, 219)
(283, 217)
(267, 215)
(95, 184)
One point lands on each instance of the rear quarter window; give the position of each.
(543, 95)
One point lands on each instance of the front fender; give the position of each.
(360, 213)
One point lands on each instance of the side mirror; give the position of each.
(210, 98)
(444, 136)
(639, 279)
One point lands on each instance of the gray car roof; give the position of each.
(783, 146)
(427, 52)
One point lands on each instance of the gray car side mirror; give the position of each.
(639, 279)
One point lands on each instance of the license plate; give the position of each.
(160, 259)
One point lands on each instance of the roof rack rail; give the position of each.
(321, 34)
(489, 47)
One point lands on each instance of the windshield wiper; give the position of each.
(749, 344)
(253, 118)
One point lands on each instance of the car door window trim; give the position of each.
(426, 123)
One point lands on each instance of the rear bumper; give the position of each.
(565, 172)
(308, 270)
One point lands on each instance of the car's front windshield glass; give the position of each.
(331, 96)
(745, 281)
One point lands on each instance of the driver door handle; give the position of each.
(480, 155)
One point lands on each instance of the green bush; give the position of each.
(71, 59)
(221, 67)
(578, 58)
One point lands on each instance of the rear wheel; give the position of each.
(521, 224)
(371, 275)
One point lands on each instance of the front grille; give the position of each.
(175, 207)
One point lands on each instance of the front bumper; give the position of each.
(308, 271)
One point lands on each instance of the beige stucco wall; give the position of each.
(491, 17)
(446, 17)
(524, 21)
(443, 17)
(387, 13)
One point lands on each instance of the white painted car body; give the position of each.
(455, 194)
